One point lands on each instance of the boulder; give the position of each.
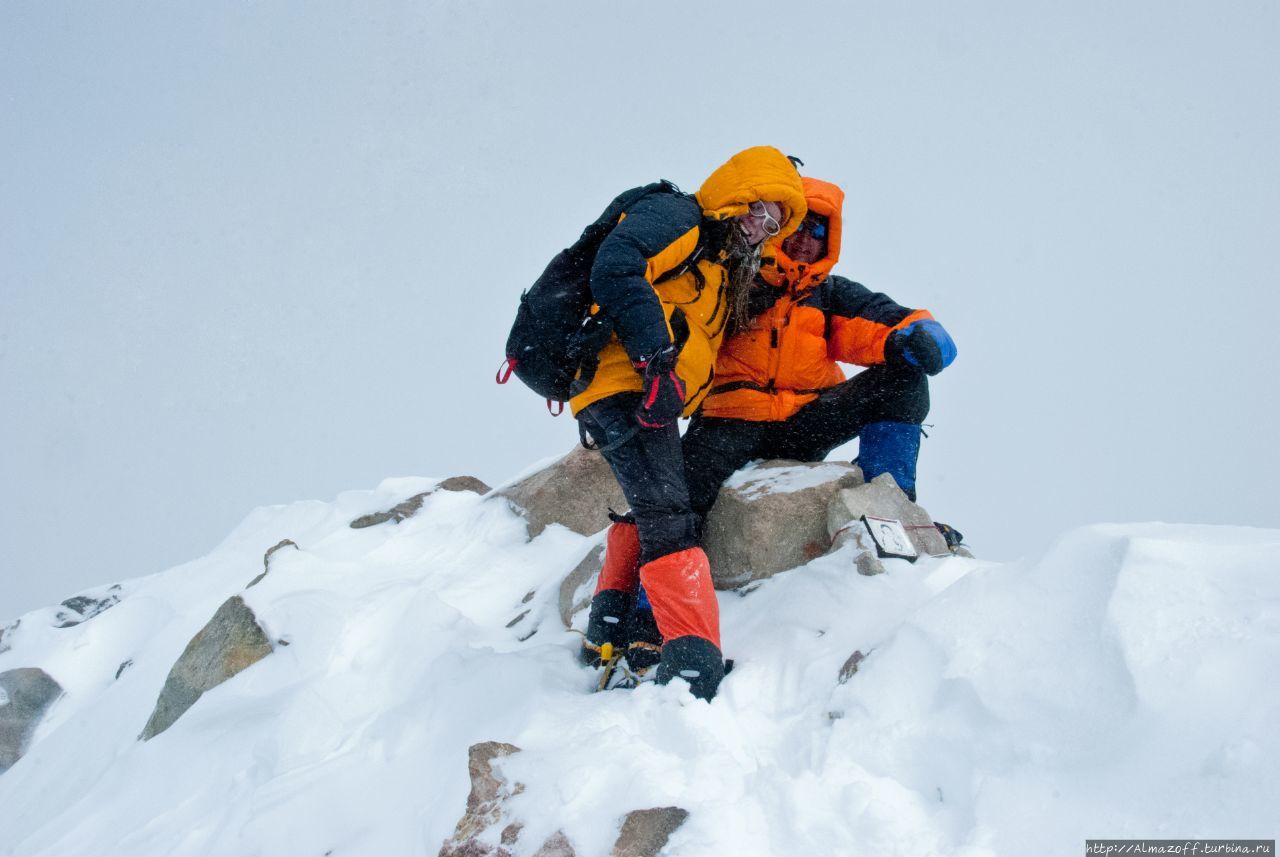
(576, 491)
(772, 517)
(883, 498)
(25, 696)
(231, 642)
(410, 507)
(486, 809)
(576, 589)
(645, 831)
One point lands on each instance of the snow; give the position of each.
(1122, 685)
(754, 480)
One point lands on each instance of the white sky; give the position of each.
(253, 253)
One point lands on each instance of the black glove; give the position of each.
(662, 397)
(924, 344)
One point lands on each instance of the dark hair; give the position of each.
(741, 262)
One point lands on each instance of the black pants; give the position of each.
(715, 447)
(649, 466)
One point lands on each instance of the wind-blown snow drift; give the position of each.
(1123, 686)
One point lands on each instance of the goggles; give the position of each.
(767, 222)
(813, 227)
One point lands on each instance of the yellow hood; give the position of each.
(759, 173)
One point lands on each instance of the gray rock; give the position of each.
(25, 696)
(866, 561)
(230, 643)
(409, 508)
(557, 845)
(576, 491)
(645, 831)
(772, 518)
(464, 483)
(576, 588)
(82, 608)
(266, 559)
(850, 668)
(883, 498)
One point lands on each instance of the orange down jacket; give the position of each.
(789, 352)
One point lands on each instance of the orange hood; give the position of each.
(779, 270)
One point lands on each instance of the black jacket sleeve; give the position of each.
(618, 282)
(859, 321)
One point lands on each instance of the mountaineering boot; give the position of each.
(607, 623)
(890, 448)
(688, 617)
(695, 660)
(615, 598)
(644, 640)
(953, 537)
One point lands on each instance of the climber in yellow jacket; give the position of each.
(671, 276)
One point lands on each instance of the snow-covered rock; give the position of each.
(575, 491)
(25, 695)
(231, 642)
(408, 508)
(772, 517)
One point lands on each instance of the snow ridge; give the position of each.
(1117, 687)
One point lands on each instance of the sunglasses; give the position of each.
(771, 226)
(815, 229)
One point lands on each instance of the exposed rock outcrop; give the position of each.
(26, 694)
(645, 831)
(486, 828)
(410, 507)
(576, 492)
(486, 809)
(771, 518)
(850, 667)
(6, 635)
(231, 642)
(83, 607)
(266, 558)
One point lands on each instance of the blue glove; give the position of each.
(924, 344)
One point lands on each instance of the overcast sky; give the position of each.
(253, 253)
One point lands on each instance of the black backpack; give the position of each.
(555, 341)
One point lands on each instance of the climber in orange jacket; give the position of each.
(670, 276)
(779, 392)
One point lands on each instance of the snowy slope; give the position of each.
(1121, 686)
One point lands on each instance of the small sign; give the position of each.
(890, 538)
